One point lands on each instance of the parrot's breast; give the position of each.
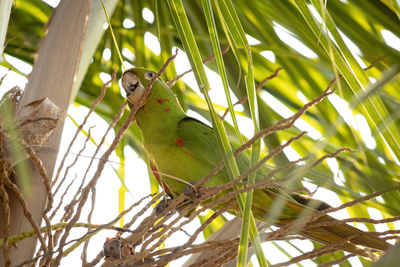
(177, 167)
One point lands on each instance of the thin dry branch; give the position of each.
(13, 240)
(282, 125)
(388, 232)
(89, 219)
(332, 247)
(6, 220)
(62, 198)
(76, 242)
(270, 155)
(154, 229)
(8, 183)
(104, 159)
(360, 220)
(342, 259)
(46, 182)
(92, 107)
(136, 232)
(275, 74)
(89, 135)
(180, 250)
(285, 123)
(69, 208)
(75, 199)
(310, 220)
(205, 61)
(154, 257)
(318, 215)
(258, 87)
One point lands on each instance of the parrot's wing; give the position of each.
(198, 140)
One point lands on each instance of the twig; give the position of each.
(205, 61)
(363, 220)
(342, 259)
(78, 241)
(270, 155)
(89, 234)
(104, 158)
(312, 218)
(388, 232)
(89, 218)
(69, 207)
(92, 107)
(331, 155)
(141, 212)
(46, 182)
(5, 75)
(180, 249)
(6, 219)
(319, 214)
(258, 87)
(285, 123)
(282, 125)
(75, 199)
(89, 135)
(96, 260)
(25, 209)
(332, 247)
(12, 240)
(62, 198)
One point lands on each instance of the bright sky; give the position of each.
(136, 170)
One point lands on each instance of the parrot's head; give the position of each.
(134, 82)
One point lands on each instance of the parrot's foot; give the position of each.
(165, 203)
(162, 205)
(192, 191)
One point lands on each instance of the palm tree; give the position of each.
(304, 46)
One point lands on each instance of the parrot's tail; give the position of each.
(339, 233)
(346, 237)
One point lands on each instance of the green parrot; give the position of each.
(183, 147)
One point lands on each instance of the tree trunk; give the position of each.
(53, 76)
(5, 9)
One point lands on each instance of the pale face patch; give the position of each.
(133, 87)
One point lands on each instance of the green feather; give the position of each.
(184, 150)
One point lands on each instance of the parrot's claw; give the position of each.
(162, 205)
(165, 203)
(192, 191)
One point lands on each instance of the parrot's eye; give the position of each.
(149, 75)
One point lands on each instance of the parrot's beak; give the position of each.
(132, 86)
